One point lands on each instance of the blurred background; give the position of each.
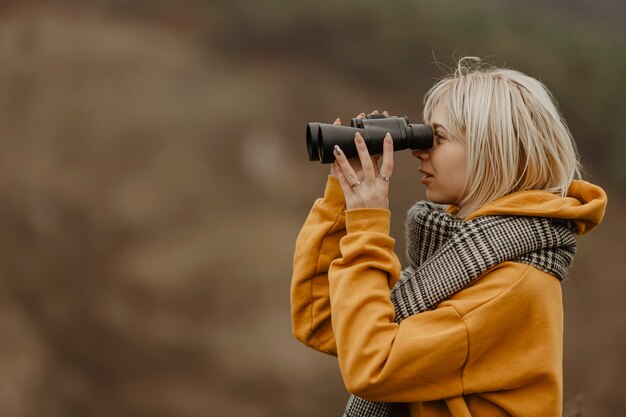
(153, 178)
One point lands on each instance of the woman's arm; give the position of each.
(420, 359)
(317, 246)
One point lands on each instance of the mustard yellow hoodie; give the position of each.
(493, 349)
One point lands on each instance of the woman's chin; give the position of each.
(436, 198)
(433, 197)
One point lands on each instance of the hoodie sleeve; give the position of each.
(317, 246)
(420, 359)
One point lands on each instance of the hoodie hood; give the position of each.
(584, 204)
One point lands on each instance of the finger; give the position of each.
(345, 167)
(374, 112)
(375, 160)
(337, 122)
(364, 156)
(345, 185)
(385, 113)
(386, 167)
(343, 182)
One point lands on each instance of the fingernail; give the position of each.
(388, 138)
(358, 137)
(337, 150)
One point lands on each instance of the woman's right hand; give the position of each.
(356, 162)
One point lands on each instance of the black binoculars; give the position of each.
(321, 138)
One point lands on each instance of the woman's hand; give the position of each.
(365, 187)
(356, 162)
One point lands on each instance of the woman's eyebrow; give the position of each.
(437, 125)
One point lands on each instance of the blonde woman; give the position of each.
(473, 326)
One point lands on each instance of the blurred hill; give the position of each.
(153, 179)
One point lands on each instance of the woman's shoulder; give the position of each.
(510, 283)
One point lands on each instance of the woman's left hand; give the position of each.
(371, 191)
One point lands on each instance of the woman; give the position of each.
(474, 325)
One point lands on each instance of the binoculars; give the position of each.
(321, 138)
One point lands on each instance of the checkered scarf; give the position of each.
(446, 255)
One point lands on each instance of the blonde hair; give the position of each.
(515, 137)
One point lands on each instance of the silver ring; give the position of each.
(355, 184)
(384, 177)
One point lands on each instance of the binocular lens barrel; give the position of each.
(312, 140)
(321, 138)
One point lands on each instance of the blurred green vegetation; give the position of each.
(575, 47)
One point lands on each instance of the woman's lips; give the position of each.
(426, 177)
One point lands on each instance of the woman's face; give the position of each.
(443, 166)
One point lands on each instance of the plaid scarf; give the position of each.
(446, 255)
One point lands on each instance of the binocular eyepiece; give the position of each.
(321, 138)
